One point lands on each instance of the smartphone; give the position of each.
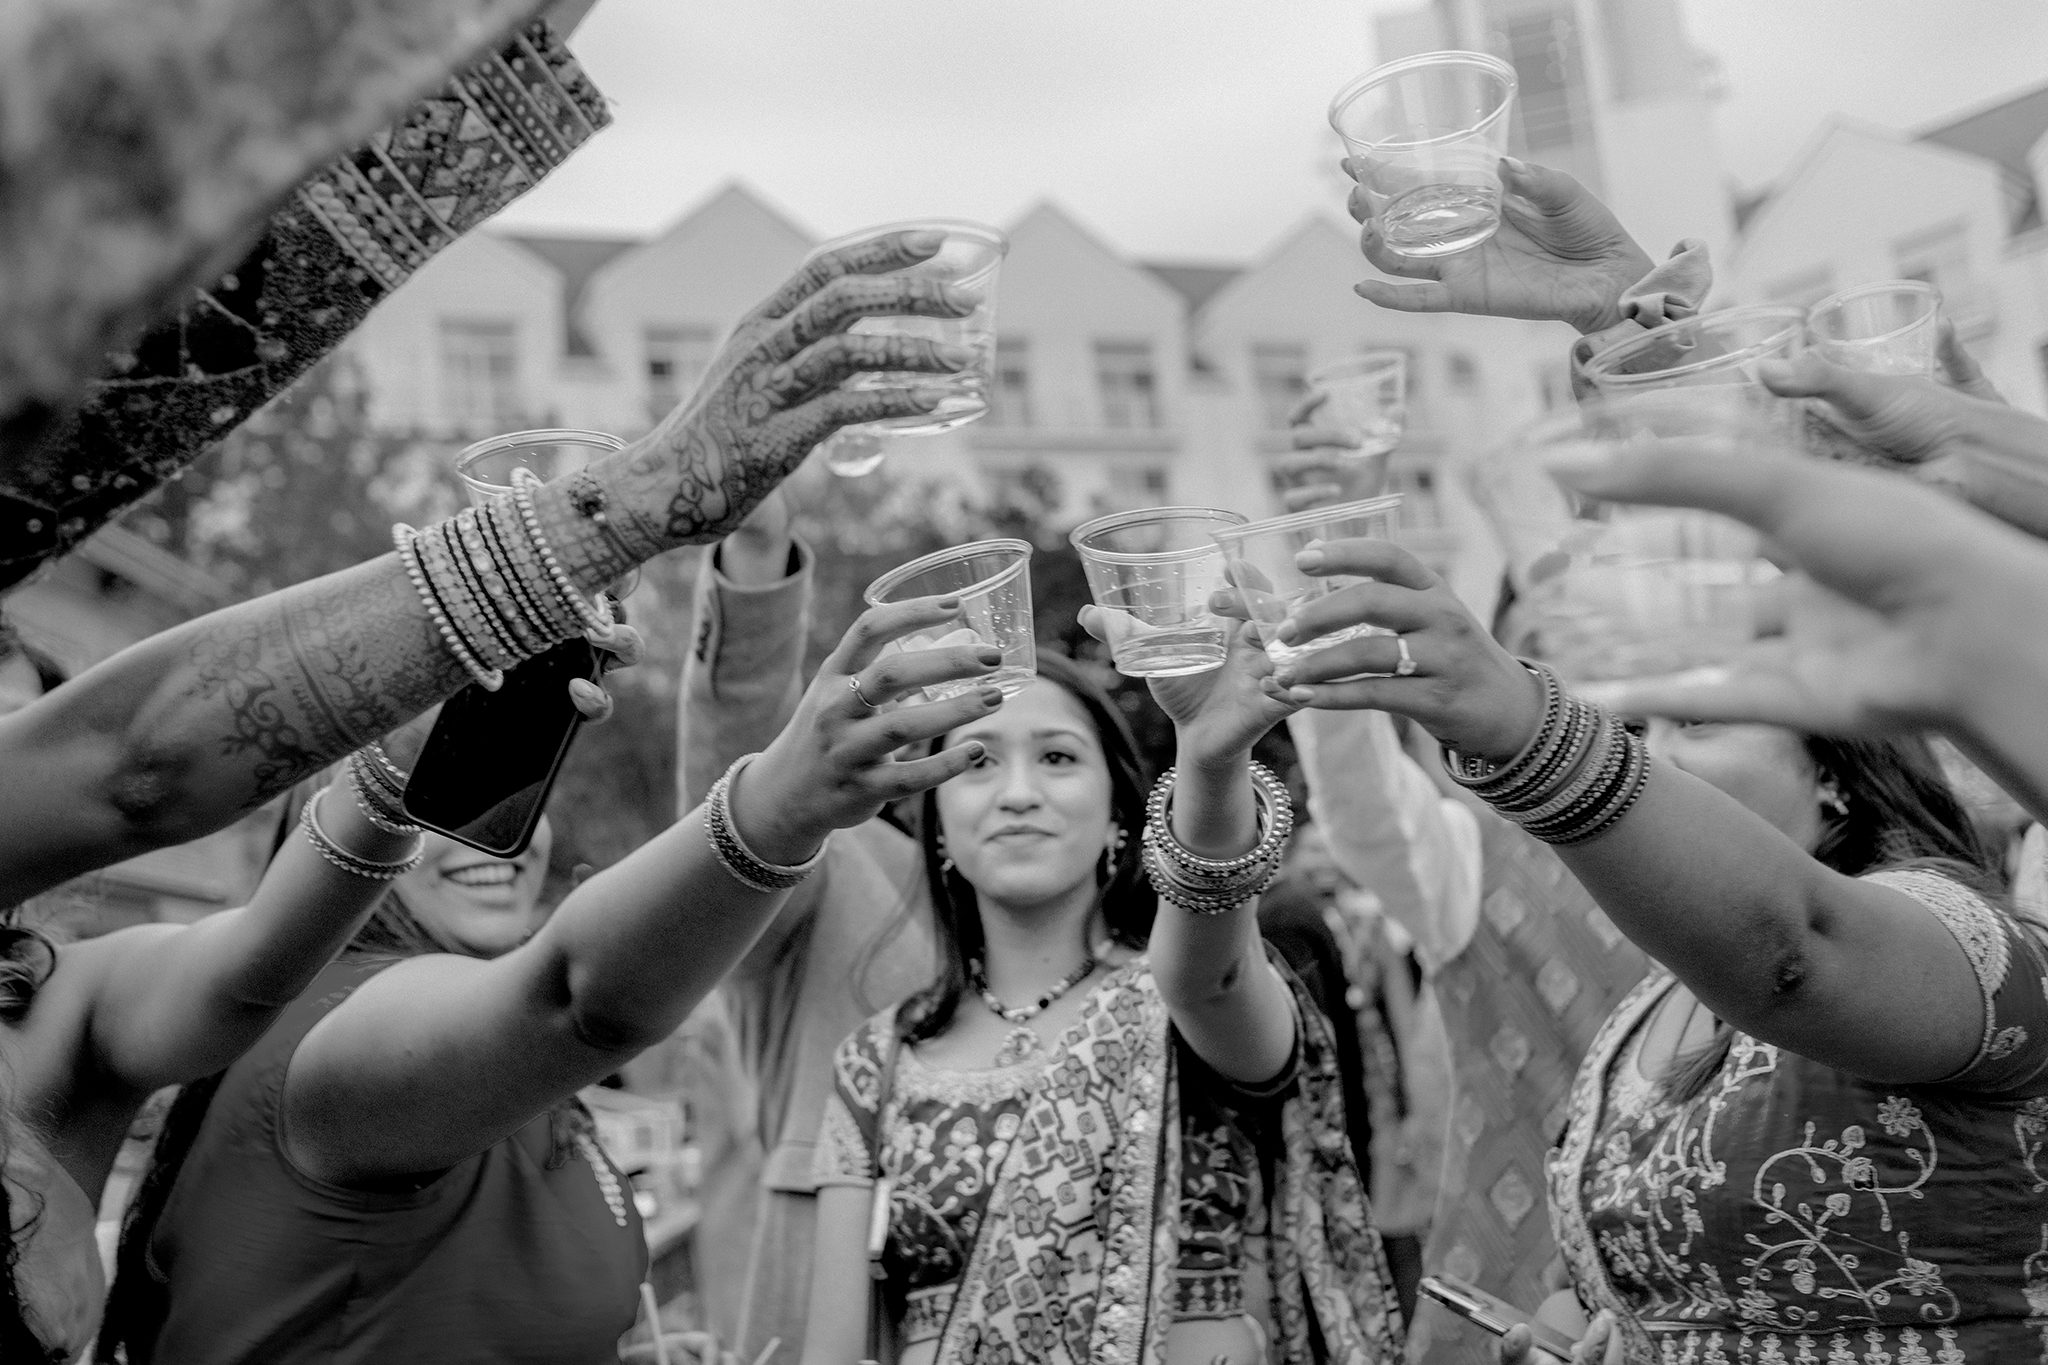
(1482, 1309)
(483, 776)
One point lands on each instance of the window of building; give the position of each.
(480, 374)
(1551, 105)
(1421, 503)
(677, 358)
(1939, 256)
(1129, 385)
(1463, 371)
(1009, 400)
(1137, 486)
(1804, 289)
(1279, 379)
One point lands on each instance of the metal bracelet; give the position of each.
(369, 869)
(407, 542)
(381, 804)
(595, 614)
(1276, 822)
(745, 866)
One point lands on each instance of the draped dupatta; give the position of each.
(1076, 1255)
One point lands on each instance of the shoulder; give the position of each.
(862, 1056)
(1987, 933)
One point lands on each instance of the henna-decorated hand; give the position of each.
(773, 393)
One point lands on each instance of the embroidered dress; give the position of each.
(991, 1252)
(1793, 1213)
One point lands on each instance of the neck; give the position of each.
(1028, 949)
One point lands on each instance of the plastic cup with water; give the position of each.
(1261, 566)
(992, 579)
(1713, 358)
(1426, 136)
(1886, 328)
(486, 467)
(1605, 590)
(1366, 395)
(1152, 572)
(971, 257)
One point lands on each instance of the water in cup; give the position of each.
(1437, 220)
(992, 579)
(1262, 568)
(1151, 573)
(966, 392)
(1011, 678)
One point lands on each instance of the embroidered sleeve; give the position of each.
(848, 1136)
(2011, 965)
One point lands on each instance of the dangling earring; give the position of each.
(1831, 797)
(945, 858)
(1107, 871)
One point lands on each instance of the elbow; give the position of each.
(1197, 986)
(612, 1032)
(144, 797)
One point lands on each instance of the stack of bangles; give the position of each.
(745, 866)
(1211, 886)
(494, 586)
(1574, 779)
(349, 861)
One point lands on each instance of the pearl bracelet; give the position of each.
(354, 863)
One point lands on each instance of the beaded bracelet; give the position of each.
(1490, 779)
(441, 549)
(746, 867)
(596, 615)
(1211, 886)
(381, 802)
(529, 606)
(1621, 799)
(407, 542)
(353, 863)
(507, 620)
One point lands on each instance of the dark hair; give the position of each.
(1125, 897)
(1901, 813)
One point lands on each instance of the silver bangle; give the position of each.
(1211, 886)
(746, 867)
(354, 864)
(596, 615)
(379, 797)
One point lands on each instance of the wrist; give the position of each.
(753, 561)
(766, 814)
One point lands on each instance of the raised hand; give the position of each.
(1321, 470)
(773, 393)
(1560, 255)
(834, 765)
(1219, 714)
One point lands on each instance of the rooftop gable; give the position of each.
(2004, 132)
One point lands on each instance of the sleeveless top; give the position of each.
(1790, 1212)
(58, 1273)
(510, 1257)
(948, 1132)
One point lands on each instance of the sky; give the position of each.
(1188, 130)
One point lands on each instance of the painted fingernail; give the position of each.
(954, 355)
(1515, 165)
(947, 604)
(584, 690)
(976, 750)
(991, 696)
(988, 656)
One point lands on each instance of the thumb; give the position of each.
(1808, 375)
(1549, 190)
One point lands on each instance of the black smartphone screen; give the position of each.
(483, 776)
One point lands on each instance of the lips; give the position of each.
(1020, 832)
(481, 874)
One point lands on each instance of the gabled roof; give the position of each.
(2004, 132)
(577, 259)
(1195, 283)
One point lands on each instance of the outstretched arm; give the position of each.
(440, 1056)
(180, 734)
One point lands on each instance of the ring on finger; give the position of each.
(1405, 668)
(860, 696)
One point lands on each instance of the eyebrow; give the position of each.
(1053, 732)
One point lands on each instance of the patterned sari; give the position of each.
(1074, 1259)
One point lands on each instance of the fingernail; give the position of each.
(977, 750)
(1284, 677)
(947, 604)
(955, 355)
(1515, 165)
(1301, 696)
(924, 239)
(1573, 464)
(1289, 631)
(1308, 560)
(989, 656)
(991, 696)
(584, 689)
(963, 298)
(929, 394)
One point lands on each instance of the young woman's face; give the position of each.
(483, 905)
(1762, 766)
(1029, 823)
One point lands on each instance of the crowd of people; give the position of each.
(1047, 1055)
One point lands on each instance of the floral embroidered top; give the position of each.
(1793, 1213)
(945, 1141)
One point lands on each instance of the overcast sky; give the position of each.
(1179, 129)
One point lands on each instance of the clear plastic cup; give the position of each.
(972, 258)
(1885, 328)
(1152, 572)
(1367, 395)
(485, 467)
(1426, 136)
(1604, 590)
(1261, 566)
(1713, 357)
(992, 579)
(853, 451)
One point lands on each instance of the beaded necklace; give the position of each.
(1023, 1041)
